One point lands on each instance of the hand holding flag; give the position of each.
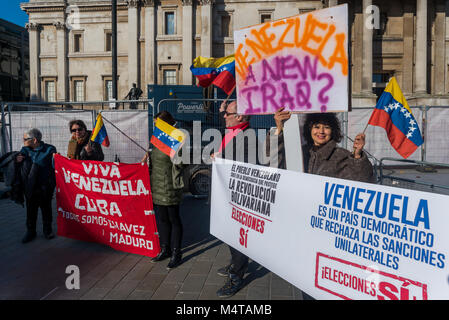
(394, 115)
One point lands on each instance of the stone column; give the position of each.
(187, 41)
(150, 47)
(421, 47)
(61, 53)
(133, 43)
(440, 48)
(407, 59)
(34, 43)
(367, 62)
(206, 28)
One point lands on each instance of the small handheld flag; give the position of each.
(99, 134)
(217, 71)
(167, 138)
(394, 115)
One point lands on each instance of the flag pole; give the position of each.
(125, 134)
(227, 98)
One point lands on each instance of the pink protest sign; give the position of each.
(300, 63)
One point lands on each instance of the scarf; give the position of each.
(231, 132)
(76, 145)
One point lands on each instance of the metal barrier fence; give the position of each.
(416, 175)
(53, 121)
(134, 117)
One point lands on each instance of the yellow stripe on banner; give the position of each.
(202, 62)
(97, 128)
(393, 88)
(170, 130)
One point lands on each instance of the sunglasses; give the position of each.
(77, 129)
(26, 139)
(229, 113)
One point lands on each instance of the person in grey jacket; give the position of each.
(321, 154)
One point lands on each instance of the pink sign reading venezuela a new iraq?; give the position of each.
(300, 63)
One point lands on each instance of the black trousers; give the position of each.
(169, 226)
(36, 201)
(239, 262)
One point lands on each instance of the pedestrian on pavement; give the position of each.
(235, 147)
(80, 146)
(37, 178)
(167, 185)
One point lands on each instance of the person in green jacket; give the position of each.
(167, 190)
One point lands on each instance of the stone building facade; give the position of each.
(14, 62)
(70, 44)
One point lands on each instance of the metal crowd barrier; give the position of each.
(415, 175)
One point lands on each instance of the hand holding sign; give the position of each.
(280, 116)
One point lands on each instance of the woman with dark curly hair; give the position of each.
(322, 156)
(80, 146)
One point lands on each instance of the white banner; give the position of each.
(334, 238)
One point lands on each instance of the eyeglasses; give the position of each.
(77, 129)
(26, 139)
(229, 113)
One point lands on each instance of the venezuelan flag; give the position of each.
(167, 138)
(217, 71)
(394, 115)
(99, 134)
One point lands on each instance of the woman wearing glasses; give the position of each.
(80, 146)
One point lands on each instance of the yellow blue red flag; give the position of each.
(394, 115)
(217, 71)
(167, 138)
(99, 133)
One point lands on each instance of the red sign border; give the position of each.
(319, 254)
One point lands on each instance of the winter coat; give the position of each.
(37, 170)
(332, 161)
(166, 179)
(242, 149)
(328, 160)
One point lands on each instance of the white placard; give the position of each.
(334, 238)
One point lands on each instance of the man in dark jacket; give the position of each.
(235, 147)
(38, 180)
(80, 146)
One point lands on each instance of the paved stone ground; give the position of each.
(37, 270)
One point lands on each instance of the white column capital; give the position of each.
(33, 27)
(206, 2)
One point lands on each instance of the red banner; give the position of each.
(106, 202)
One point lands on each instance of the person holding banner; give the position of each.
(234, 146)
(321, 155)
(37, 180)
(167, 189)
(80, 145)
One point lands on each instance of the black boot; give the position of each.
(48, 232)
(232, 286)
(164, 254)
(175, 259)
(29, 236)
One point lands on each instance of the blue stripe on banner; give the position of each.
(166, 139)
(400, 117)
